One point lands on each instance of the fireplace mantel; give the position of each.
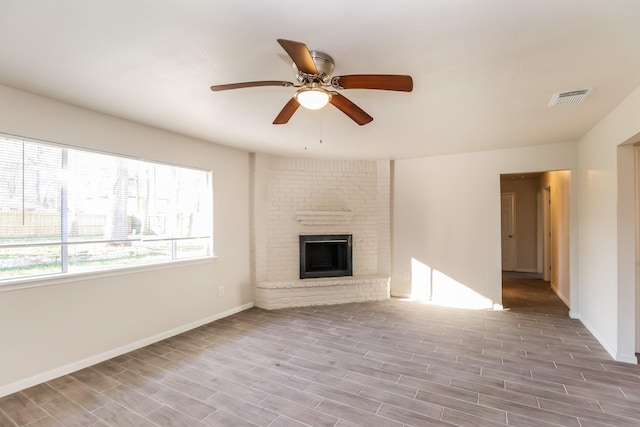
(324, 217)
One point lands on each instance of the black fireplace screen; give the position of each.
(325, 255)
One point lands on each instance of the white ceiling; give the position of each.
(483, 71)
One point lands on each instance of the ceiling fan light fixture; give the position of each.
(312, 98)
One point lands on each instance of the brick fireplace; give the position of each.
(295, 197)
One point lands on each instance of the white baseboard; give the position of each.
(618, 357)
(84, 363)
(626, 358)
(400, 295)
(597, 336)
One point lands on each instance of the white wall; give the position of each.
(606, 257)
(446, 218)
(51, 330)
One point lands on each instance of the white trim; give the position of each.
(401, 294)
(626, 358)
(636, 167)
(597, 336)
(90, 361)
(61, 278)
(618, 357)
(547, 244)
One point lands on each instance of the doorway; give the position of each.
(539, 248)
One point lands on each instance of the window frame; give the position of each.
(64, 276)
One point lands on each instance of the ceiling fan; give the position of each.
(317, 86)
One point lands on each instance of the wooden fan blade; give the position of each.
(356, 113)
(286, 113)
(374, 81)
(217, 88)
(300, 55)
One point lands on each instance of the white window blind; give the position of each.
(67, 210)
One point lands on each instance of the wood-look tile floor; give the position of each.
(389, 363)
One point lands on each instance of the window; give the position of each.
(66, 210)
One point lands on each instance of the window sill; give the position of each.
(57, 279)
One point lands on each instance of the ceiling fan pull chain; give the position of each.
(306, 129)
(321, 125)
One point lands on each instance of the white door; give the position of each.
(508, 217)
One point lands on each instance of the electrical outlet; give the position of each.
(221, 291)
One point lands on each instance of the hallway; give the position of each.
(527, 292)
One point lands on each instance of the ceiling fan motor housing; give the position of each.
(324, 65)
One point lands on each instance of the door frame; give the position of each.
(636, 167)
(546, 234)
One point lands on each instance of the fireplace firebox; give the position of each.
(326, 255)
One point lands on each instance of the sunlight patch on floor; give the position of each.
(433, 287)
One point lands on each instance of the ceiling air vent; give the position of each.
(573, 97)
